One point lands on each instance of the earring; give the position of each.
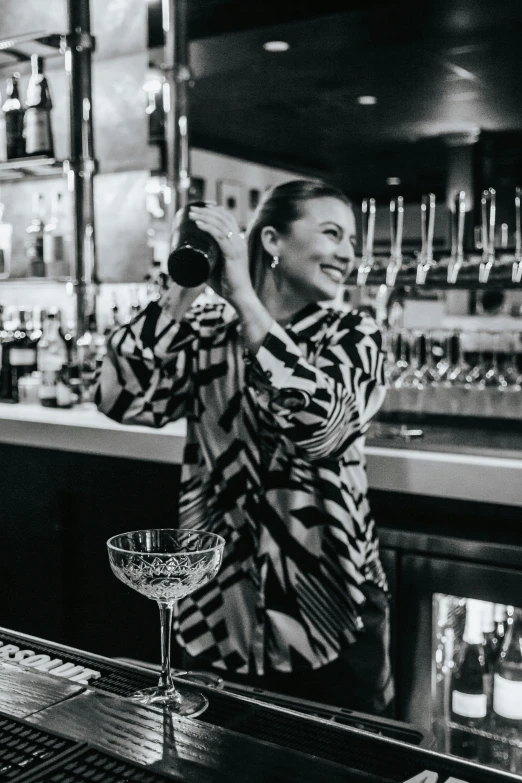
(275, 261)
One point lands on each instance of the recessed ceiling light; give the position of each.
(276, 46)
(393, 181)
(367, 100)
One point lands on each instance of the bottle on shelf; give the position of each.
(6, 237)
(52, 355)
(14, 119)
(506, 718)
(38, 135)
(18, 354)
(34, 238)
(468, 688)
(56, 241)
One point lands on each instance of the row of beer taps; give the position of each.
(451, 267)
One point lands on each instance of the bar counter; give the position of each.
(60, 728)
(446, 462)
(446, 506)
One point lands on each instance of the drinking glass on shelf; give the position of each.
(458, 368)
(493, 377)
(429, 372)
(510, 368)
(396, 349)
(474, 378)
(166, 565)
(411, 377)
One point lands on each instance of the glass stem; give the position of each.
(165, 681)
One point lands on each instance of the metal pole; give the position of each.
(175, 103)
(79, 45)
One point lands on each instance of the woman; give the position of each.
(278, 391)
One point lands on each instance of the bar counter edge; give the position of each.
(492, 478)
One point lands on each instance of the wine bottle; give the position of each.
(18, 355)
(38, 133)
(468, 689)
(34, 238)
(52, 355)
(506, 719)
(14, 119)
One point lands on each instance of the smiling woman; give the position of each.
(278, 389)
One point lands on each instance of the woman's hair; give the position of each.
(279, 208)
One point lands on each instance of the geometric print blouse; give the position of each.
(273, 462)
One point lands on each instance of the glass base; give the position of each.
(178, 702)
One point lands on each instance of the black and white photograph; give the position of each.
(261, 391)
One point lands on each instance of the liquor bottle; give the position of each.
(52, 355)
(34, 238)
(56, 241)
(18, 355)
(468, 690)
(506, 719)
(38, 134)
(14, 119)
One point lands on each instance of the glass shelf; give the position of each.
(23, 168)
(36, 280)
(19, 48)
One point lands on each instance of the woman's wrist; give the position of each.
(255, 319)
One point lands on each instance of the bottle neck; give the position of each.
(473, 629)
(488, 619)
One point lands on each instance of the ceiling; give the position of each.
(441, 70)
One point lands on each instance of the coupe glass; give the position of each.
(167, 565)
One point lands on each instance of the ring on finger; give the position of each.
(230, 235)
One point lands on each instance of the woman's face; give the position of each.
(317, 253)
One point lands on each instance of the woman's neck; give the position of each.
(281, 301)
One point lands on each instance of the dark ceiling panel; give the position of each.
(442, 71)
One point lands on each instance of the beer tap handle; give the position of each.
(427, 232)
(368, 233)
(396, 228)
(457, 237)
(488, 204)
(517, 263)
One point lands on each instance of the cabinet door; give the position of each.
(31, 551)
(420, 579)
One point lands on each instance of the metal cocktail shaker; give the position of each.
(196, 253)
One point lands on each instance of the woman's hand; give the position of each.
(233, 281)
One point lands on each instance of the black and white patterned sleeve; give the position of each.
(325, 406)
(145, 377)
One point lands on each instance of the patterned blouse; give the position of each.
(273, 462)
